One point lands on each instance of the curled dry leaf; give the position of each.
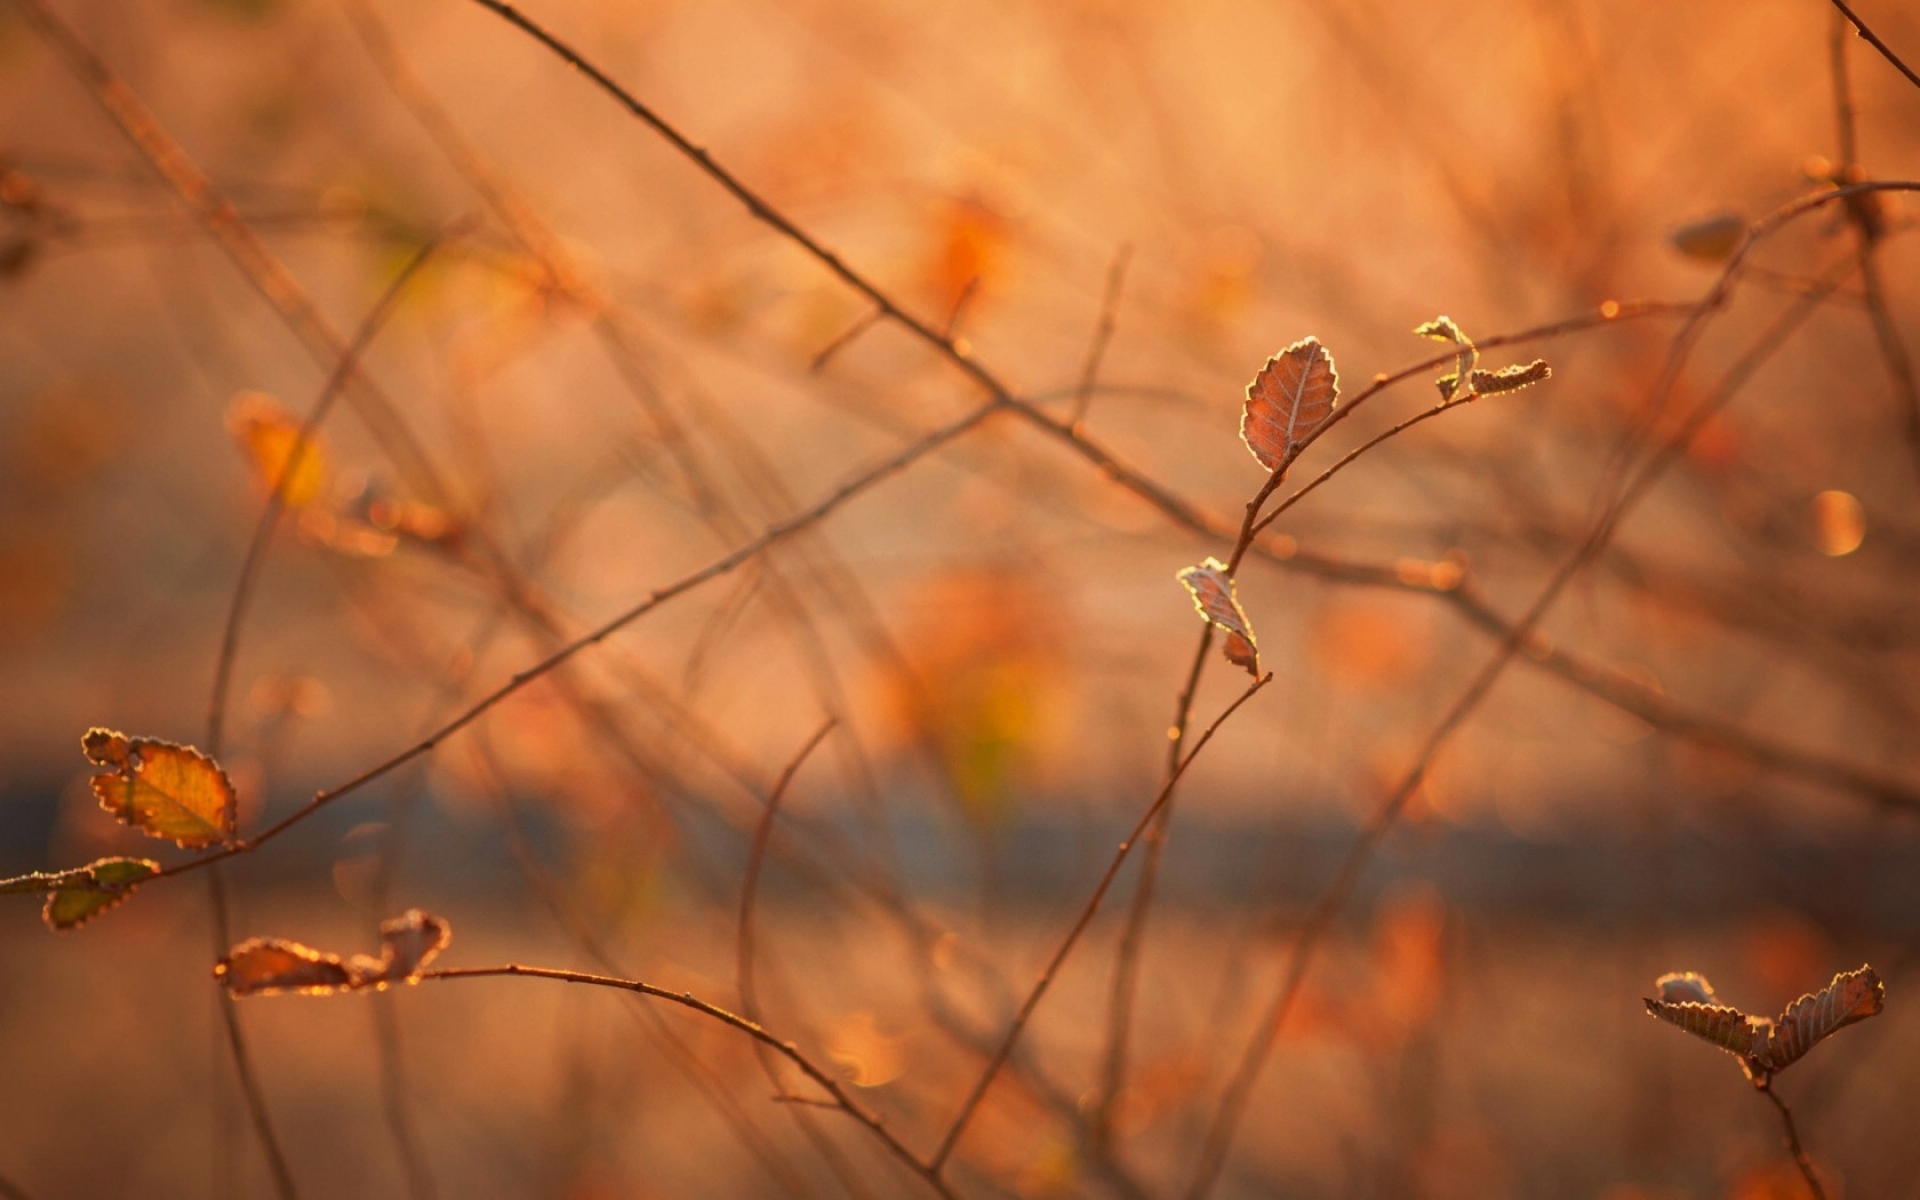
(1442, 329)
(1685, 987)
(161, 789)
(269, 434)
(1291, 398)
(77, 896)
(1765, 1046)
(1213, 596)
(266, 966)
(1510, 379)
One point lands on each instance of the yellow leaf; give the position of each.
(163, 790)
(268, 435)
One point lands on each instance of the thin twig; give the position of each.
(237, 1049)
(1102, 334)
(787, 1050)
(264, 528)
(1234, 1101)
(1039, 990)
(867, 321)
(1800, 1159)
(1873, 39)
(743, 961)
(773, 534)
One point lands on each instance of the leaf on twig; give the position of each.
(269, 434)
(163, 790)
(1765, 1046)
(77, 896)
(269, 966)
(1213, 596)
(1442, 329)
(1510, 379)
(1291, 398)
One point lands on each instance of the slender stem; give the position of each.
(1873, 39)
(773, 534)
(1800, 1159)
(972, 1103)
(263, 529)
(1102, 334)
(756, 857)
(831, 1086)
(237, 1047)
(1233, 1103)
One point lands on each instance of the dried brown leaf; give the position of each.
(407, 944)
(1213, 596)
(1685, 987)
(266, 966)
(1442, 329)
(1510, 379)
(1768, 1046)
(1291, 398)
(1851, 997)
(77, 896)
(161, 789)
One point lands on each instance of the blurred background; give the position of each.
(612, 375)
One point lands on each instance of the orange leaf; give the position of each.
(268, 435)
(163, 790)
(1291, 397)
(1213, 596)
(265, 966)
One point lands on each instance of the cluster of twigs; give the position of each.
(1255, 536)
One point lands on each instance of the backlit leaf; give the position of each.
(1685, 987)
(269, 434)
(407, 943)
(1768, 1046)
(1510, 379)
(1851, 997)
(163, 790)
(1291, 398)
(1442, 329)
(1839, 523)
(1213, 596)
(266, 966)
(76, 896)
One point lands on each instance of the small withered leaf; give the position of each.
(1685, 987)
(1290, 399)
(407, 944)
(1765, 1046)
(1853, 996)
(1442, 329)
(1510, 379)
(1213, 596)
(75, 897)
(162, 789)
(266, 966)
